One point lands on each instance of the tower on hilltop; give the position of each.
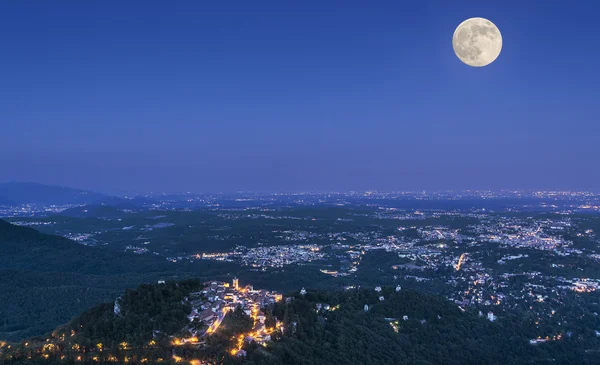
(236, 283)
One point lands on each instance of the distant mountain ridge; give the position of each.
(5, 201)
(34, 193)
(17, 193)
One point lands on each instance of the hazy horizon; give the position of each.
(132, 192)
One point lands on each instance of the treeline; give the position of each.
(137, 317)
(139, 325)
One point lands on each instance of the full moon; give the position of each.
(477, 42)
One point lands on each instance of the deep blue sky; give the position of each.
(297, 95)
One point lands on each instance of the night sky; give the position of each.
(297, 95)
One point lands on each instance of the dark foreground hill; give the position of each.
(45, 280)
(320, 327)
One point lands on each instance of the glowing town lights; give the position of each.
(48, 347)
(98, 352)
(460, 262)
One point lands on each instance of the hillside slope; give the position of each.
(320, 327)
(45, 280)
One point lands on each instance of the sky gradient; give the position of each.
(297, 96)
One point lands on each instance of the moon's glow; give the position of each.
(477, 42)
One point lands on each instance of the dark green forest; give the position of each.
(436, 332)
(405, 327)
(45, 280)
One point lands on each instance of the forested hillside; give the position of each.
(361, 326)
(45, 280)
(403, 328)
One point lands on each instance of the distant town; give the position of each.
(492, 252)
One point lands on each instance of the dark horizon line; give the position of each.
(316, 192)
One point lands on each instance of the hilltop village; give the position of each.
(137, 326)
(211, 305)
